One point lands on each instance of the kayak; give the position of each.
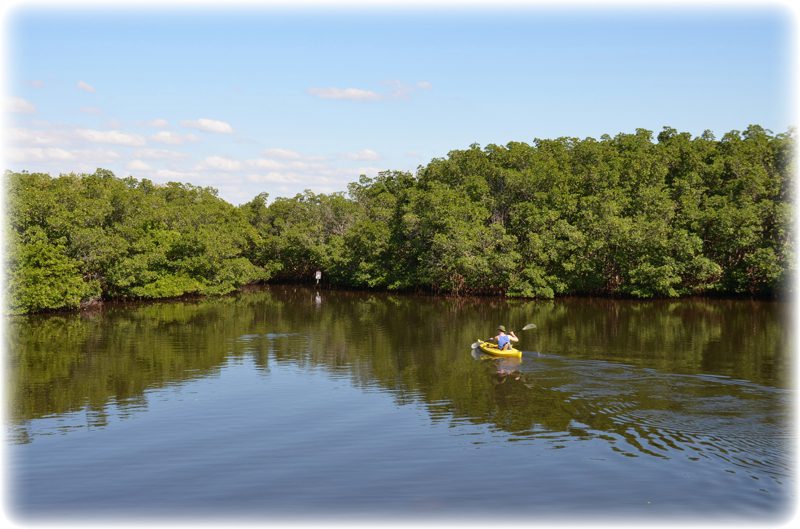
(490, 348)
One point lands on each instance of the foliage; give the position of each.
(77, 238)
(629, 215)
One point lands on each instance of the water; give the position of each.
(285, 402)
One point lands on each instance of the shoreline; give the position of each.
(97, 305)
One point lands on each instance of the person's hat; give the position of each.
(501, 328)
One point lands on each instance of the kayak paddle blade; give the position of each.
(529, 326)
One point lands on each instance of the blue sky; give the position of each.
(254, 100)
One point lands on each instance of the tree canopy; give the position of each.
(629, 215)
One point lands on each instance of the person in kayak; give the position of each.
(504, 338)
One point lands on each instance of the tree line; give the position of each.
(631, 215)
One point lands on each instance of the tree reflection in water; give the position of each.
(649, 378)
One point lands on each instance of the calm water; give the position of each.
(283, 402)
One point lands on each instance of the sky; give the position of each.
(274, 99)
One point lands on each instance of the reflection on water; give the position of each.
(643, 412)
(696, 381)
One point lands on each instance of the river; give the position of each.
(287, 402)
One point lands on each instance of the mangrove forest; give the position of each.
(631, 215)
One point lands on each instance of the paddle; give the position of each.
(526, 328)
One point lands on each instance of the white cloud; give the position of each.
(311, 165)
(396, 90)
(306, 166)
(221, 163)
(158, 123)
(159, 154)
(400, 90)
(364, 155)
(279, 171)
(56, 154)
(17, 105)
(354, 94)
(294, 176)
(263, 163)
(280, 159)
(172, 138)
(111, 136)
(208, 125)
(113, 123)
(97, 155)
(38, 154)
(275, 177)
(34, 137)
(284, 154)
(138, 165)
(369, 171)
(86, 87)
(176, 175)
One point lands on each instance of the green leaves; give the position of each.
(622, 216)
(75, 238)
(42, 276)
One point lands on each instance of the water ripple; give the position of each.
(642, 412)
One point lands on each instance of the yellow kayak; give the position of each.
(490, 348)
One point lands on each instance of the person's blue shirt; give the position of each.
(502, 340)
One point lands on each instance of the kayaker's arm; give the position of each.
(513, 336)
